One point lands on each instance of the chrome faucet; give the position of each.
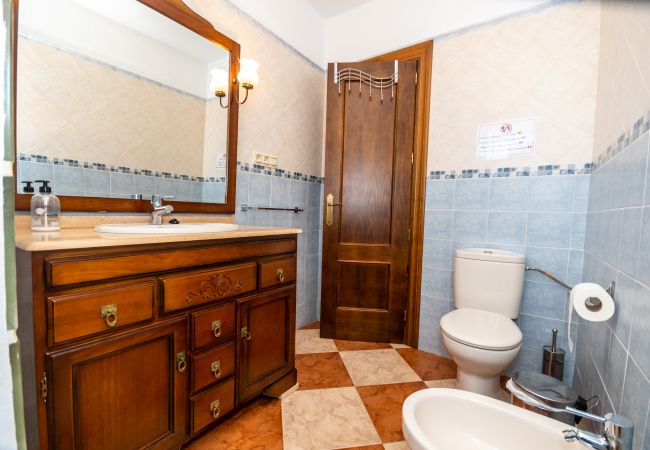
(159, 209)
(617, 435)
(618, 430)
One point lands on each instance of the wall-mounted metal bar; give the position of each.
(548, 275)
(295, 209)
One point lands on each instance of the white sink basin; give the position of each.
(181, 228)
(451, 419)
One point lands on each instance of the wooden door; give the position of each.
(123, 392)
(369, 161)
(265, 349)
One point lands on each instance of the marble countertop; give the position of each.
(77, 238)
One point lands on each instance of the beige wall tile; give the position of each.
(624, 70)
(542, 65)
(284, 114)
(69, 107)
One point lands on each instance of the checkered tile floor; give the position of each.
(350, 397)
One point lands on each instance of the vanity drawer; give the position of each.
(209, 406)
(213, 326)
(194, 288)
(277, 271)
(89, 312)
(212, 366)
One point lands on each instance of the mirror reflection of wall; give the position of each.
(113, 100)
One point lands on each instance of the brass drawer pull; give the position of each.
(109, 314)
(246, 334)
(279, 275)
(215, 368)
(214, 409)
(216, 328)
(181, 362)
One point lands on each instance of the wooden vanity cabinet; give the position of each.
(146, 346)
(122, 392)
(266, 346)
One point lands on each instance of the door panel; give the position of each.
(265, 349)
(369, 157)
(359, 285)
(120, 393)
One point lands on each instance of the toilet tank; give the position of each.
(489, 280)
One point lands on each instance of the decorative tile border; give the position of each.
(119, 169)
(246, 167)
(502, 172)
(275, 172)
(640, 127)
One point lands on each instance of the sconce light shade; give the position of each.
(219, 82)
(248, 77)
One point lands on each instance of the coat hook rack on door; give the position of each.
(380, 83)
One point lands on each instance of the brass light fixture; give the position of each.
(246, 78)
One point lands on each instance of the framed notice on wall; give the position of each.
(501, 140)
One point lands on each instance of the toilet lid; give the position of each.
(481, 329)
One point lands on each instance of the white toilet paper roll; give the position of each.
(579, 298)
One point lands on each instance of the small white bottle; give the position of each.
(46, 209)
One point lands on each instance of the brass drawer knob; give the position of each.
(214, 409)
(245, 334)
(279, 275)
(109, 314)
(215, 368)
(216, 328)
(181, 362)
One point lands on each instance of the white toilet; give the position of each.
(480, 335)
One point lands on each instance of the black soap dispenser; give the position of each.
(46, 209)
(28, 188)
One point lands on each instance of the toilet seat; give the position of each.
(481, 329)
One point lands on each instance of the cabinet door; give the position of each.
(266, 340)
(123, 392)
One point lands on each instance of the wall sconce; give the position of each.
(247, 78)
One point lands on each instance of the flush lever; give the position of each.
(329, 212)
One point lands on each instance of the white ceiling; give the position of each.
(330, 8)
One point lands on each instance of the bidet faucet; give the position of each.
(618, 430)
(159, 209)
(617, 435)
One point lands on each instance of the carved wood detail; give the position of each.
(214, 287)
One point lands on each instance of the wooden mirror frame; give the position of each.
(180, 13)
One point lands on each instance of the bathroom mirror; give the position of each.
(113, 105)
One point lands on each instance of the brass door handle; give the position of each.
(246, 334)
(109, 314)
(279, 275)
(216, 328)
(329, 210)
(214, 409)
(181, 362)
(215, 368)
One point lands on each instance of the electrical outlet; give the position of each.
(266, 160)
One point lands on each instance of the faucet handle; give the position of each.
(156, 199)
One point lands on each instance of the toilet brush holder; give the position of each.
(553, 361)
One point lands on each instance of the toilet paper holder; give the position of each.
(592, 303)
(595, 304)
